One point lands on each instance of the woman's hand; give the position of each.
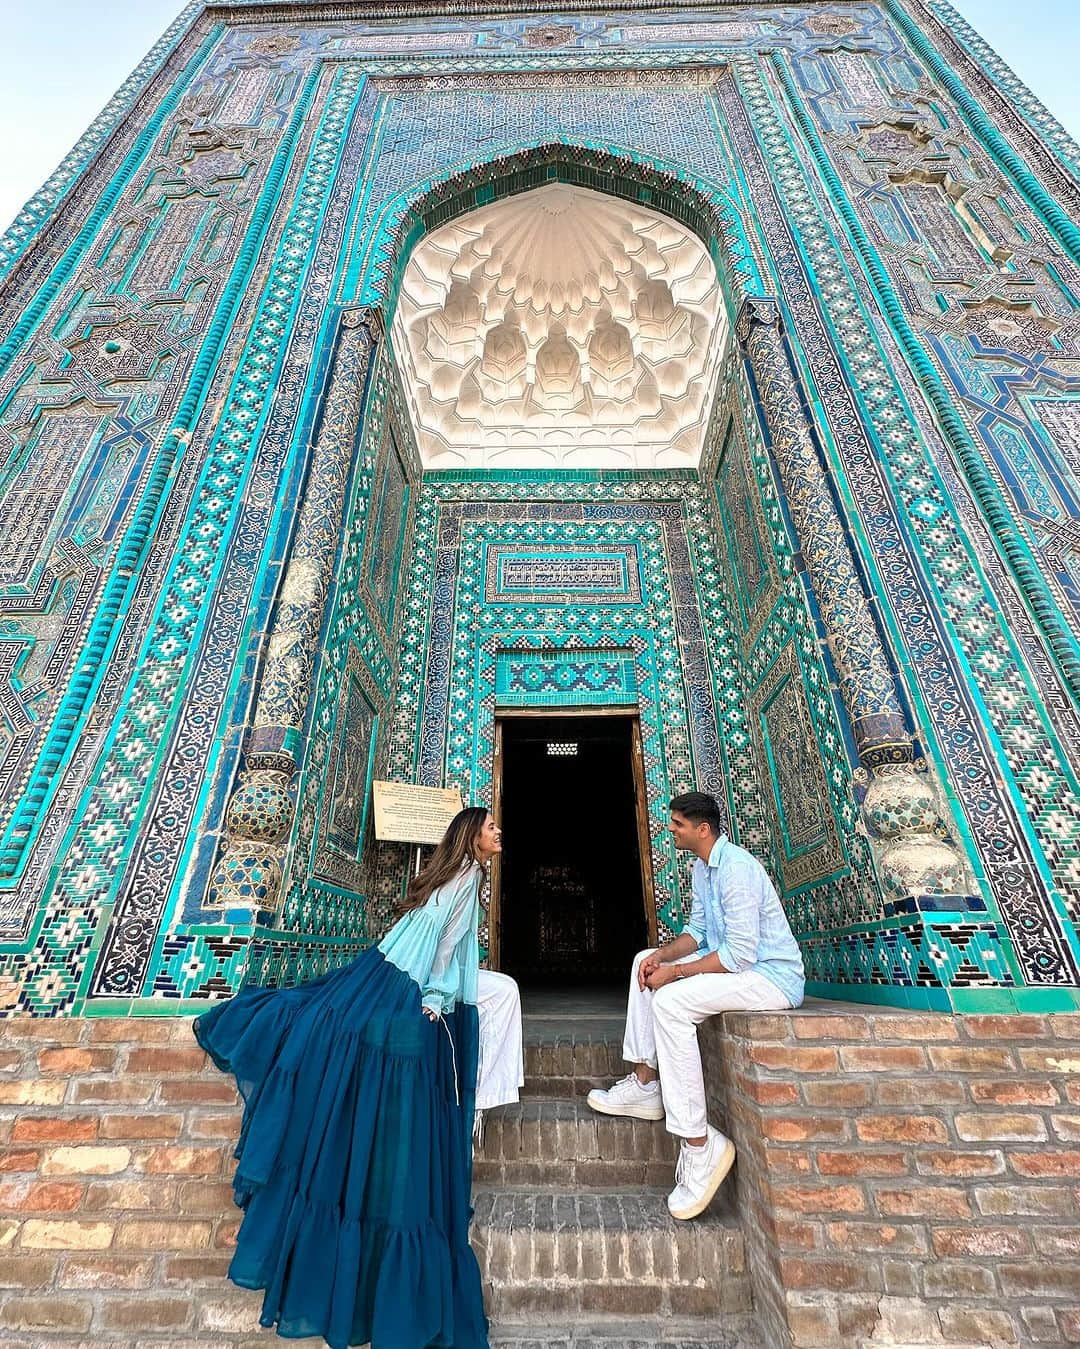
(430, 1013)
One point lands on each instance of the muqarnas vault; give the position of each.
(373, 372)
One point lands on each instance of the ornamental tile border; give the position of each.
(905, 506)
(989, 819)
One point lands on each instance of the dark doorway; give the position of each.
(572, 889)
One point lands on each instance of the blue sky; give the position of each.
(63, 59)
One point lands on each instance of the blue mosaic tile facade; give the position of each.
(229, 597)
(579, 677)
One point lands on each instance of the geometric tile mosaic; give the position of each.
(176, 306)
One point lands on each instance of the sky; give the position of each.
(62, 60)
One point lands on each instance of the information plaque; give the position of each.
(405, 813)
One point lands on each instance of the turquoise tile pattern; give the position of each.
(229, 597)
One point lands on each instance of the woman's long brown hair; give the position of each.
(457, 845)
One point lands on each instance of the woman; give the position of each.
(355, 1152)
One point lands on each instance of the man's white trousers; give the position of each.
(661, 1031)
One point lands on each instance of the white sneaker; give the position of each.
(629, 1097)
(699, 1173)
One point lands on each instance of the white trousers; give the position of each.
(661, 1031)
(501, 1067)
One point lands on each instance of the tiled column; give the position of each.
(903, 809)
(259, 814)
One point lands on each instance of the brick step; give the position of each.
(736, 1332)
(550, 1253)
(570, 1063)
(552, 1141)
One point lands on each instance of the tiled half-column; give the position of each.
(904, 811)
(259, 813)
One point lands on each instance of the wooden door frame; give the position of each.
(641, 808)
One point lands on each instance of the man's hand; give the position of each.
(430, 1013)
(661, 975)
(647, 967)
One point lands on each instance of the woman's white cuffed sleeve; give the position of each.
(454, 903)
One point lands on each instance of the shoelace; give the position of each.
(681, 1166)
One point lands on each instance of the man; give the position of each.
(737, 953)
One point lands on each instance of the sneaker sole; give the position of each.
(627, 1112)
(719, 1175)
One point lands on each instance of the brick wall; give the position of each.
(906, 1179)
(116, 1213)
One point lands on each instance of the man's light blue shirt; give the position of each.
(738, 915)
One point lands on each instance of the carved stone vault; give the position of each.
(560, 329)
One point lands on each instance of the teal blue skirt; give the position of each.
(354, 1159)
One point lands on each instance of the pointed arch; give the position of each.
(704, 207)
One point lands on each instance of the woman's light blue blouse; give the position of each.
(436, 944)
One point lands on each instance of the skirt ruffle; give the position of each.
(354, 1162)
